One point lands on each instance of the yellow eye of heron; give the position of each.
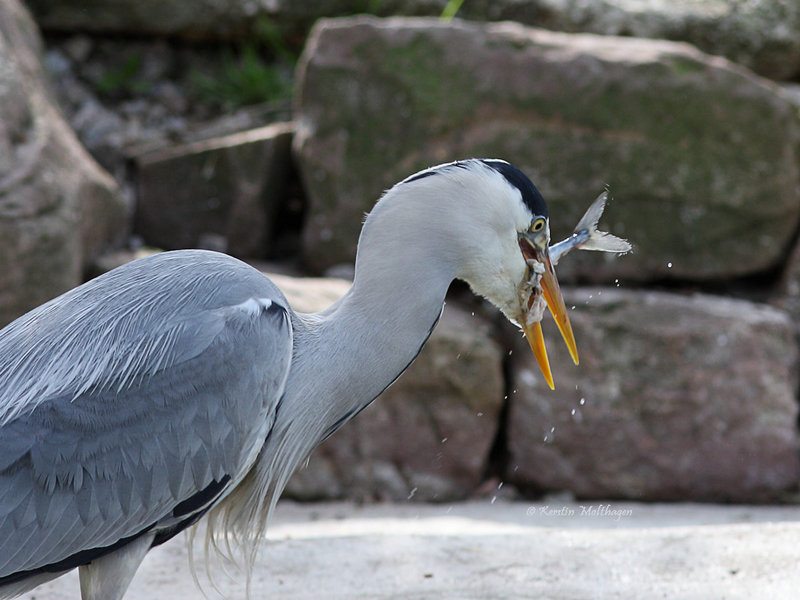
(538, 225)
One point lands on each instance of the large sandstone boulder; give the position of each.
(763, 35)
(58, 209)
(695, 150)
(222, 192)
(675, 398)
(430, 435)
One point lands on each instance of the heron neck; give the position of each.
(409, 252)
(345, 356)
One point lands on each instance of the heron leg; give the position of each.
(108, 577)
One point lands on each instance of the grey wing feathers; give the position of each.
(124, 398)
(124, 324)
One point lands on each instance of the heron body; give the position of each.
(183, 383)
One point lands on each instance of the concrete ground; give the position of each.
(558, 550)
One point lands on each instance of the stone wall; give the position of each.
(677, 397)
(688, 382)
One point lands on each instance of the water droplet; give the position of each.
(669, 265)
(582, 401)
(527, 377)
(444, 439)
(480, 414)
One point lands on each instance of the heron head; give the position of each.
(526, 262)
(496, 235)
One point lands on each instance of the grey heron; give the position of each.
(182, 384)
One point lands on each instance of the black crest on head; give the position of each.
(530, 195)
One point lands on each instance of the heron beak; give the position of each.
(555, 302)
(533, 333)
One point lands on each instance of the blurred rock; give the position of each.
(101, 130)
(58, 209)
(230, 187)
(208, 19)
(763, 35)
(310, 294)
(429, 436)
(675, 398)
(78, 47)
(695, 149)
(787, 293)
(125, 97)
(116, 258)
(195, 19)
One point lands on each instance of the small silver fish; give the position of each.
(586, 236)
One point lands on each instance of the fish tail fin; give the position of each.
(592, 215)
(601, 241)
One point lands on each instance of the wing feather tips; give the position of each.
(202, 498)
(184, 514)
(75, 560)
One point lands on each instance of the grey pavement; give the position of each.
(551, 550)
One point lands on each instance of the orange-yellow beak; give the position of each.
(555, 302)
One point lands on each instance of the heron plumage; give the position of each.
(171, 411)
